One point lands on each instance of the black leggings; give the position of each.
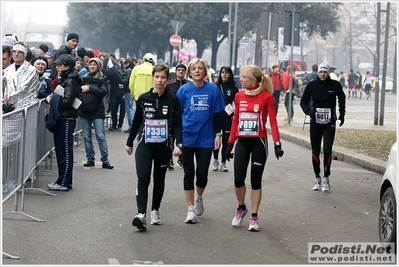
(317, 133)
(244, 147)
(226, 126)
(145, 154)
(367, 88)
(203, 158)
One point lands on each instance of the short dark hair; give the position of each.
(161, 67)
(7, 49)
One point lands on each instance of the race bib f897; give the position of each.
(248, 124)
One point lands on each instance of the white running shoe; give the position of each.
(155, 219)
(238, 218)
(253, 224)
(139, 221)
(57, 187)
(317, 182)
(215, 165)
(198, 205)
(325, 184)
(223, 167)
(191, 218)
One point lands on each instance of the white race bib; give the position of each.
(156, 131)
(229, 109)
(323, 115)
(248, 124)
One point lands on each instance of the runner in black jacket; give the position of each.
(319, 101)
(157, 118)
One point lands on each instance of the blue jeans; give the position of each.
(129, 109)
(99, 129)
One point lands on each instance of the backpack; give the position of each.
(112, 70)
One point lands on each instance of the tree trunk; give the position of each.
(215, 48)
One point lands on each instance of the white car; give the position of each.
(388, 192)
(388, 83)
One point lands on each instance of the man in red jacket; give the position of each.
(277, 85)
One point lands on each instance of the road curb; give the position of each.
(339, 153)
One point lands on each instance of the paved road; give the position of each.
(91, 224)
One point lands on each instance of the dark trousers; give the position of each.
(118, 103)
(287, 104)
(145, 155)
(226, 127)
(63, 143)
(276, 96)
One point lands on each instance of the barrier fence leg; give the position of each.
(34, 184)
(10, 256)
(15, 211)
(305, 122)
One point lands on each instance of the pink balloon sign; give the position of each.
(192, 55)
(175, 53)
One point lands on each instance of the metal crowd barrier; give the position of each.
(26, 143)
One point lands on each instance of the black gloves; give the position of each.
(228, 153)
(7, 107)
(342, 119)
(278, 150)
(312, 114)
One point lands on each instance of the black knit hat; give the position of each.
(89, 53)
(44, 48)
(72, 36)
(81, 52)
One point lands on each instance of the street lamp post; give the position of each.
(232, 45)
(233, 62)
(227, 18)
(230, 34)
